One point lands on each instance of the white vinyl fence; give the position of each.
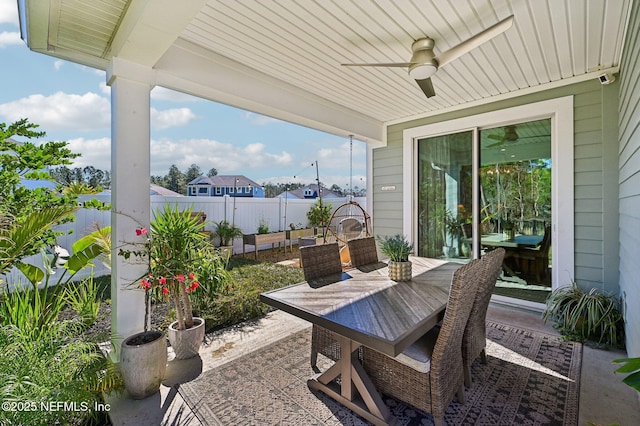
(246, 213)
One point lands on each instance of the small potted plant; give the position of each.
(398, 249)
(452, 229)
(227, 232)
(319, 214)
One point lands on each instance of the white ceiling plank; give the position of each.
(543, 22)
(561, 34)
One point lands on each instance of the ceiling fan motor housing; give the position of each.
(423, 62)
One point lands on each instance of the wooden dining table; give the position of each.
(363, 306)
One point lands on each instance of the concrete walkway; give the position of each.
(604, 399)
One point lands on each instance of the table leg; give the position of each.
(364, 400)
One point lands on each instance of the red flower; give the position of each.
(162, 280)
(165, 290)
(180, 278)
(195, 285)
(141, 231)
(192, 277)
(145, 284)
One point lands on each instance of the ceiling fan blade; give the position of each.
(393, 64)
(427, 87)
(466, 46)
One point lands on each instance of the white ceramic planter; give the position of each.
(143, 363)
(186, 343)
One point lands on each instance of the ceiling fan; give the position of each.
(424, 63)
(510, 135)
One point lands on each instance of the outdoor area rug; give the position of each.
(530, 378)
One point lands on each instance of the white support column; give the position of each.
(130, 199)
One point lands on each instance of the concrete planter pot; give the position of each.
(186, 343)
(400, 271)
(143, 363)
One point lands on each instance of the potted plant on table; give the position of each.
(398, 249)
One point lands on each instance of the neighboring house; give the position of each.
(309, 192)
(160, 190)
(219, 186)
(153, 190)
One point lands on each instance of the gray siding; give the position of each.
(629, 176)
(595, 190)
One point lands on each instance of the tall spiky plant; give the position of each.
(176, 237)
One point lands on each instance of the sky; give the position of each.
(71, 103)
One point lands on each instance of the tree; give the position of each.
(212, 172)
(89, 176)
(192, 173)
(27, 160)
(335, 188)
(175, 180)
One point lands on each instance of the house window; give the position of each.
(203, 191)
(218, 190)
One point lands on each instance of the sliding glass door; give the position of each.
(445, 195)
(512, 168)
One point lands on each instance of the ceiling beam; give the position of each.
(188, 68)
(150, 27)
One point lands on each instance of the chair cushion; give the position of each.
(418, 355)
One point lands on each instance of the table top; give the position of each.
(500, 240)
(367, 307)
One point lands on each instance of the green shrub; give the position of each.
(31, 310)
(239, 299)
(84, 299)
(582, 316)
(212, 274)
(56, 367)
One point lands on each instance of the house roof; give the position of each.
(160, 190)
(225, 181)
(299, 193)
(282, 59)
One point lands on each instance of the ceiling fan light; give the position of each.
(422, 71)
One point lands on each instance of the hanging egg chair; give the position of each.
(347, 222)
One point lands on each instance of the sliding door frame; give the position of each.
(560, 111)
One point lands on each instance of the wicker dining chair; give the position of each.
(474, 340)
(317, 262)
(363, 251)
(429, 373)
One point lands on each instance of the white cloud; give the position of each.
(163, 94)
(258, 119)
(8, 38)
(61, 111)
(58, 64)
(338, 158)
(171, 117)
(106, 90)
(9, 12)
(95, 152)
(207, 153)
